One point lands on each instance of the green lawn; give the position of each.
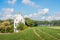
(35, 33)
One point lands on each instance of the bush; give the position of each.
(25, 27)
(4, 29)
(21, 26)
(11, 28)
(5, 26)
(29, 22)
(8, 29)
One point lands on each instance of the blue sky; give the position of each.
(35, 9)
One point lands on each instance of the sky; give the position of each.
(34, 9)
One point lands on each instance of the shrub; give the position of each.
(25, 27)
(29, 22)
(5, 27)
(21, 26)
(11, 28)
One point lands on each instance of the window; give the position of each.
(21, 19)
(15, 24)
(16, 19)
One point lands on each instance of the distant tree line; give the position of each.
(30, 22)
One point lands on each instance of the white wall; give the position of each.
(18, 18)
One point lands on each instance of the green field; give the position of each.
(34, 33)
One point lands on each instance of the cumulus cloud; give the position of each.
(8, 10)
(12, 1)
(7, 13)
(40, 12)
(56, 16)
(6, 16)
(43, 11)
(43, 17)
(30, 3)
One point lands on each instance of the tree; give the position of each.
(29, 22)
(5, 26)
(20, 26)
(10, 20)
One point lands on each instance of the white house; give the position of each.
(18, 18)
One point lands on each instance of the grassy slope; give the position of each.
(49, 34)
(28, 34)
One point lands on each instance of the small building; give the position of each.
(18, 18)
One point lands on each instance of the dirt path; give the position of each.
(37, 34)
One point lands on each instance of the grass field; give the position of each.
(35, 33)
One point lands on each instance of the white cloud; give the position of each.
(30, 3)
(43, 17)
(41, 12)
(49, 18)
(6, 16)
(52, 17)
(46, 10)
(25, 16)
(7, 13)
(8, 10)
(56, 16)
(12, 1)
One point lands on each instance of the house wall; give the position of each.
(18, 18)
